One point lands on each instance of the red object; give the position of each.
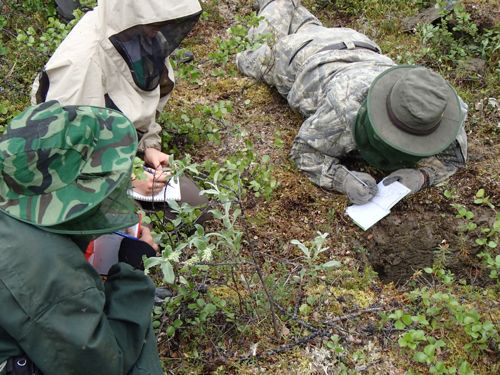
(139, 226)
(89, 251)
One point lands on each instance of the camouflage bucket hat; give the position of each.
(414, 110)
(67, 169)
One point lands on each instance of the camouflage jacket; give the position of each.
(325, 74)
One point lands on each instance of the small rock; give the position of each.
(473, 65)
(426, 16)
(493, 103)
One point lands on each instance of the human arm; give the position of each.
(167, 84)
(329, 174)
(132, 251)
(150, 141)
(149, 137)
(74, 76)
(69, 79)
(91, 332)
(146, 246)
(155, 158)
(323, 138)
(54, 307)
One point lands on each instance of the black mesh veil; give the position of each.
(145, 47)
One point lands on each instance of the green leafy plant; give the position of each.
(237, 41)
(185, 71)
(3, 49)
(188, 248)
(451, 194)
(401, 320)
(440, 312)
(46, 6)
(312, 266)
(187, 129)
(457, 37)
(486, 237)
(482, 199)
(53, 34)
(7, 111)
(313, 251)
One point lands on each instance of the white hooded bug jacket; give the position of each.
(117, 57)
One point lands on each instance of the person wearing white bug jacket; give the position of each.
(117, 57)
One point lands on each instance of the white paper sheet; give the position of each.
(366, 215)
(171, 191)
(388, 196)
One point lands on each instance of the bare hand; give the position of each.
(155, 158)
(148, 238)
(151, 183)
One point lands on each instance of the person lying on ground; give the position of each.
(64, 174)
(117, 57)
(402, 119)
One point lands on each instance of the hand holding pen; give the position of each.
(152, 182)
(360, 187)
(164, 170)
(155, 158)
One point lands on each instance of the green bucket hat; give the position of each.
(67, 169)
(414, 110)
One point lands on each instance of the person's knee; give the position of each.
(190, 193)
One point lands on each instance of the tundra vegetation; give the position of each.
(281, 281)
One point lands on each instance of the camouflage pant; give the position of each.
(327, 84)
(313, 79)
(280, 19)
(292, 57)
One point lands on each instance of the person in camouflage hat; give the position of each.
(406, 120)
(64, 172)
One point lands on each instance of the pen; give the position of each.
(149, 170)
(125, 235)
(355, 177)
(153, 171)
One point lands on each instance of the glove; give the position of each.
(357, 192)
(413, 179)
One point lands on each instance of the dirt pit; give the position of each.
(403, 243)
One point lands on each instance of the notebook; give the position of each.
(105, 252)
(366, 215)
(171, 191)
(106, 248)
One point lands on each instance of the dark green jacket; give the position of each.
(54, 307)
